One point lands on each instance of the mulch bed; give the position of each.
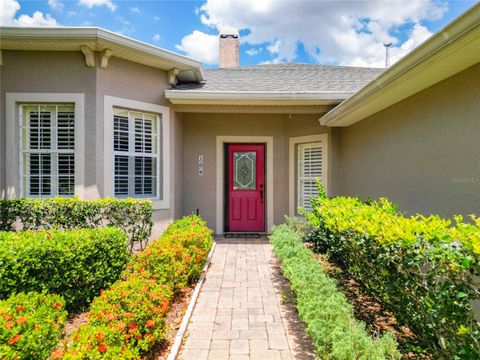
(376, 318)
(174, 319)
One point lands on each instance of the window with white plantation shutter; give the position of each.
(309, 169)
(48, 144)
(136, 155)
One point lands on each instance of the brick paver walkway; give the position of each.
(244, 310)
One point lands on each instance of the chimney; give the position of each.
(229, 44)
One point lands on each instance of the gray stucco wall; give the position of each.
(422, 153)
(50, 72)
(199, 137)
(65, 72)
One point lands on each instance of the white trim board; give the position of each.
(12, 133)
(292, 142)
(109, 102)
(269, 195)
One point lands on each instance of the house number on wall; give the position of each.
(200, 165)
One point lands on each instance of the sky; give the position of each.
(271, 31)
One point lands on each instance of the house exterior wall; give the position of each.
(48, 72)
(200, 131)
(422, 153)
(65, 72)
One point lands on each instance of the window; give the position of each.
(136, 155)
(310, 168)
(47, 146)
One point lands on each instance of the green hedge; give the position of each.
(74, 264)
(425, 269)
(129, 319)
(324, 309)
(30, 325)
(131, 215)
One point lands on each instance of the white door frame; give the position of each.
(221, 141)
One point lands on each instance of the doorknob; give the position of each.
(261, 193)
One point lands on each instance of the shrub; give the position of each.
(177, 258)
(123, 321)
(131, 215)
(30, 325)
(129, 318)
(324, 309)
(75, 264)
(422, 268)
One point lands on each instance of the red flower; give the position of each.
(132, 325)
(150, 323)
(57, 305)
(57, 354)
(139, 336)
(9, 324)
(100, 336)
(102, 348)
(20, 308)
(21, 320)
(14, 339)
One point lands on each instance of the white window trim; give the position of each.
(111, 102)
(221, 140)
(13, 132)
(292, 181)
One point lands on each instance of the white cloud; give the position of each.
(157, 37)
(91, 3)
(254, 51)
(8, 12)
(56, 5)
(344, 32)
(156, 18)
(134, 10)
(200, 46)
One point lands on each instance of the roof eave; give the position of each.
(95, 34)
(415, 72)
(255, 97)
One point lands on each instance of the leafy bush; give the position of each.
(74, 264)
(129, 318)
(131, 215)
(30, 325)
(324, 309)
(177, 258)
(124, 320)
(422, 268)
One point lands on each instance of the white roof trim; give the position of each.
(451, 50)
(255, 97)
(94, 34)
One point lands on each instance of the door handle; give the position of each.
(261, 193)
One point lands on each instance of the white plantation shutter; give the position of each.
(48, 144)
(310, 168)
(136, 154)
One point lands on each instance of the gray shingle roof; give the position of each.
(285, 77)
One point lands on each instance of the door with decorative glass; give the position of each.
(246, 188)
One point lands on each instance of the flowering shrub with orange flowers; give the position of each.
(129, 318)
(30, 325)
(123, 321)
(177, 258)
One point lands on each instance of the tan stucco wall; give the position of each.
(199, 137)
(422, 153)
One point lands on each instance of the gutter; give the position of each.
(417, 60)
(184, 96)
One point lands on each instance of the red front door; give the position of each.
(246, 187)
